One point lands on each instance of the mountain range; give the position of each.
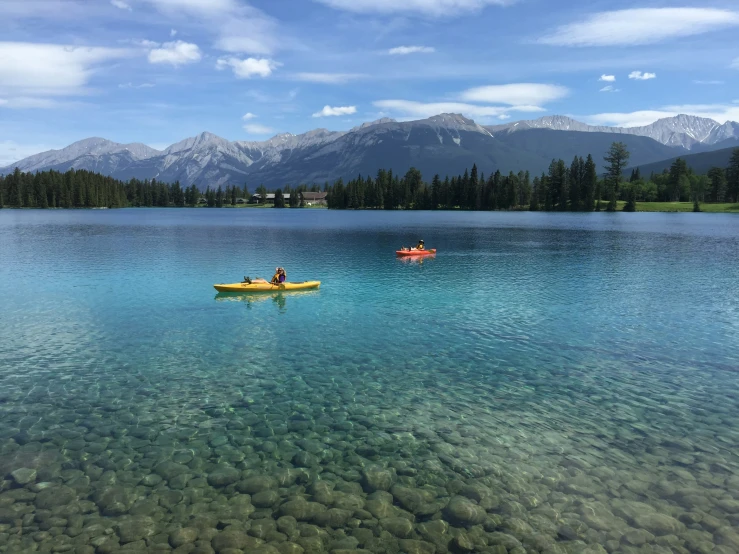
(443, 144)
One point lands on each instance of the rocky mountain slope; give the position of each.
(444, 144)
(684, 131)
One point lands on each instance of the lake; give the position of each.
(546, 383)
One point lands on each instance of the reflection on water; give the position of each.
(554, 383)
(419, 260)
(252, 298)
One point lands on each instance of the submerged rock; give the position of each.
(463, 511)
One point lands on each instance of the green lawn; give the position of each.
(682, 207)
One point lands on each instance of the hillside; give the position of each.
(700, 163)
(549, 144)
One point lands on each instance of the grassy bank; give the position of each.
(682, 207)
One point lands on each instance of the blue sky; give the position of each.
(158, 71)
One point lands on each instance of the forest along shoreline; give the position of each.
(573, 187)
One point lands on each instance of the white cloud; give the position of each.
(248, 68)
(718, 112)
(30, 69)
(420, 109)
(697, 82)
(143, 43)
(405, 50)
(239, 28)
(422, 7)
(173, 32)
(200, 7)
(515, 94)
(609, 88)
(640, 26)
(176, 53)
(735, 64)
(121, 5)
(328, 78)
(639, 76)
(248, 116)
(607, 78)
(329, 111)
(257, 129)
(131, 85)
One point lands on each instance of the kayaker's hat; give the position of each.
(420, 240)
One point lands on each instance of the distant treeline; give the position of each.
(573, 187)
(85, 189)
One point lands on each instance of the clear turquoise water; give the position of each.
(562, 365)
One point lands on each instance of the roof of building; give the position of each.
(314, 195)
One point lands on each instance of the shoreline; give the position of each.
(643, 207)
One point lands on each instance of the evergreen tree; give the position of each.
(14, 187)
(194, 195)
(534, 200)
(262, 192)
(577, 175)
(279, 199)
(617, 157)
(510, 189)
(678, 179)
(294, 201)
(524, 188)
(717, 175)
(589, 184)
(435, 192)
(470, 194)
(732, 177)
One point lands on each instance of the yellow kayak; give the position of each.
(266, 287)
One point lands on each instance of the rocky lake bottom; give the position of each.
(241, 432)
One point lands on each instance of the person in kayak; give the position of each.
(420, 246)
(279, 277)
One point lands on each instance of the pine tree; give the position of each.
(577, 174)
(435, 192)
(589, 184)
(732, 177)
(677, 182)
(511, 186)
(15, 192)
(617, 157)
(717, 175)
(470, 190)
(534, 200)
(279, 199)
(294, 201)
(262, 193)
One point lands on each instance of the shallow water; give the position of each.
(546, 383)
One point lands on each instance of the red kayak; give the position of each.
(416, 252)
